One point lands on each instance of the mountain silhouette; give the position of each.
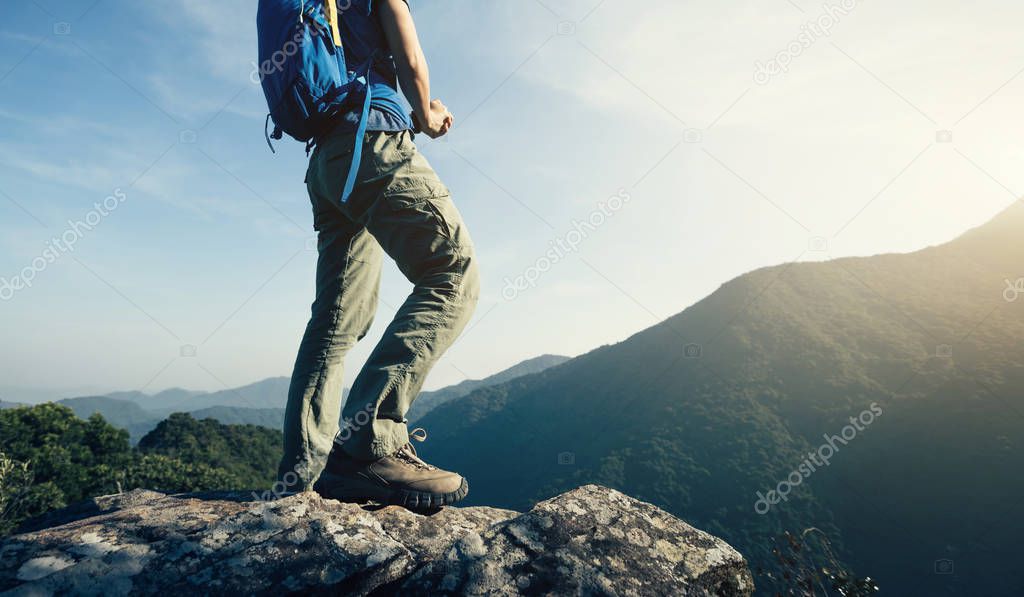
(125, 414)
(260, 403)
(428, 401)
(708, 410)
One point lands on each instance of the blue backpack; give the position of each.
(304, 75)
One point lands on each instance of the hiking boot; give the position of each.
(402, 478)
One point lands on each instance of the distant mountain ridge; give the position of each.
(428, 401)
(118, 412)
(722, 403)
(267, 393)
(260, 403)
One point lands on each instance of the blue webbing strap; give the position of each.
(357, 152)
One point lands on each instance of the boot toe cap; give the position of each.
(444, 482)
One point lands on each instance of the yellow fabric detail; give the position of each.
(332, 18)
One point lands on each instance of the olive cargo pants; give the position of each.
(398, 207)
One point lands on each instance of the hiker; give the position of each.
(373, 193)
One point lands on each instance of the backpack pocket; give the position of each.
(302, 71)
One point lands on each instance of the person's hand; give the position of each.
(440, 120)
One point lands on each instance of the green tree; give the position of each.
(248, 452)
(70, 459)
(50, 458)
(163, 473)
(16, 492)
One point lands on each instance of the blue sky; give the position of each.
(560, 106)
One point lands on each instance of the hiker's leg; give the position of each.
(414, 220)
(347, 283)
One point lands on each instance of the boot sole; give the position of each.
(347, 489)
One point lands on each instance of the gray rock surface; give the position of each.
(590, 541)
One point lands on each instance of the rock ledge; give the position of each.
(591, 540)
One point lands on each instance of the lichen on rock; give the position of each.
(591, 540)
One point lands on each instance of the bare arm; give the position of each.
(413, 73)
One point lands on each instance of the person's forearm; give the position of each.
(414, 78)
(433, 117)
(413, 73)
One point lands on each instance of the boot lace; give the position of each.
(408, 451)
